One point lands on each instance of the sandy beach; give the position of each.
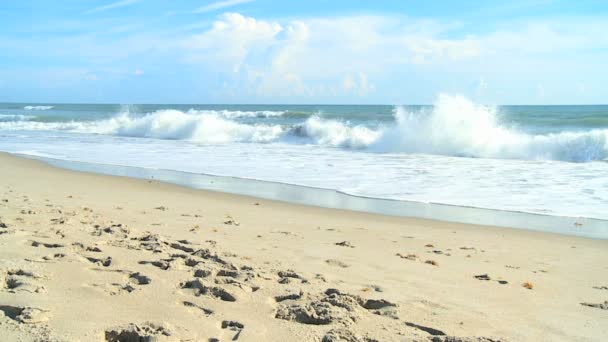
(86, 257)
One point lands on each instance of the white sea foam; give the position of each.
(38, 107)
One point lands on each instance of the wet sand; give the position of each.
(86, 257)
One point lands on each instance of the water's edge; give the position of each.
(584, 227)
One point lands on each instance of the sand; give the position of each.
(86, 257)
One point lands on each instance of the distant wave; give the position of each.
(38, 107)
(455, 126)
(15, 117)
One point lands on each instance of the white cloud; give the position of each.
(113, 5)
(220, 5)
(329, 59)
(314, 55)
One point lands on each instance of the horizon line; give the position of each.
(282, 104)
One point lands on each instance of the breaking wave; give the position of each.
(458, 127)
(454, 126)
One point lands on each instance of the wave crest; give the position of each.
(336, 133)
(38, 107)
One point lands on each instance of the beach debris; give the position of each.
(601, 287)
(482, 277)
(231, 221)
(432, 262)
(344, 244)
(602, 306)
(3, 225)
(429, 245)
(528, 285)
(161, 208)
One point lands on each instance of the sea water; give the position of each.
(549, 160)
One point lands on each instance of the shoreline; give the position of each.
(334, 199)
(188, 264)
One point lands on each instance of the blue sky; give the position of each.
(316, 51)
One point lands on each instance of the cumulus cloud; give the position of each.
(315, 55)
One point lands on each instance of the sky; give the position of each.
(303, 52)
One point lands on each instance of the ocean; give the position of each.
(549, 160)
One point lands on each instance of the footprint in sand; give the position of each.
(288, 276)
(234, 326)
(331, 306)
(201, 288)
(337, 263)
(4, 229)
(135, 332)
(14, 281)
(46, 245)
(105, 262)
(206, 312)
(130, 284)
(26, 315)
(140, 279)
